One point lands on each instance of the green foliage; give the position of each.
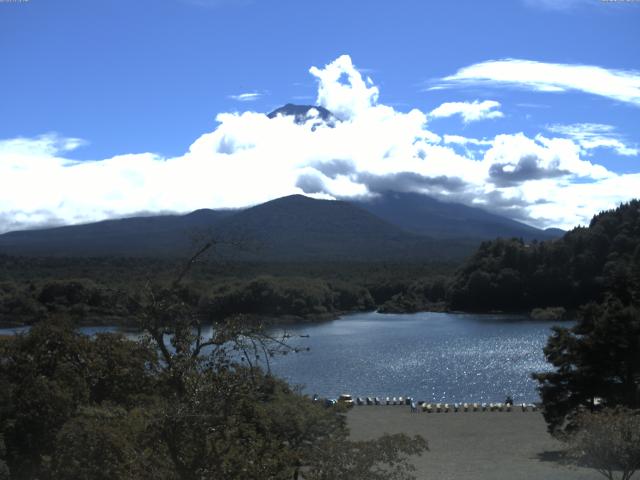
(107, 290)
(180, 405)
(422, 294)
(48, 374)
(608, 441)
(45, 377)
(549, 313)
(596, 362)
(583, 266)
(273, 296)
(104, 443)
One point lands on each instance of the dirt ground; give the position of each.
(473, 445)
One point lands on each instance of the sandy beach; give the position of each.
(473, 445)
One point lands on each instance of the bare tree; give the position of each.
(608, 441)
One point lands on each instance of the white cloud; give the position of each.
(594, 135)
(47, 144)
(248, 158)
(620, 85)
(246, 97)
(460, 140)
(342, 90)
(469, 111)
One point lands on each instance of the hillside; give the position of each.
(289, 228)
(394, 227)
(138, 236)
(584, 265)
(427, 216)
(298, 227)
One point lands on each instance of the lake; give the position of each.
(429, 356)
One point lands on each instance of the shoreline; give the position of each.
(283, 319)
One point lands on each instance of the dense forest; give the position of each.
(581, 267)
(176, 406)
(106, 289)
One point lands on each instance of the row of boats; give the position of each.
(349, 401)
(474, 407)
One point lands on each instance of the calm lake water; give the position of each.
(429, 356)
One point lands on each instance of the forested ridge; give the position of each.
(104, 289)
(583, 266)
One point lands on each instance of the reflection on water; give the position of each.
(429, 356)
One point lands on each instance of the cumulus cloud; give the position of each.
(310, 183)
(594, 135)
(342, 90)
(249, 158)
(526, 168)
(620, 85)
(334, 168)
(469, 111)
(411, 182)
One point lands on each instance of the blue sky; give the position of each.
(124, 86)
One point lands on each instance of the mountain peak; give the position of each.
(304, 113)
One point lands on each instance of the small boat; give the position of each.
(346, 399)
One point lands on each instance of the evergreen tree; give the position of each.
(597, 364)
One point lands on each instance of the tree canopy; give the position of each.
(597, 364)
(178, 404)
(583, 266)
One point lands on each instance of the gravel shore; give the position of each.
(473, 445)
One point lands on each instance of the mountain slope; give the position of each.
(298, 227)
(289, 228)
(427, 216)
(136, 236)
(394, 227)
